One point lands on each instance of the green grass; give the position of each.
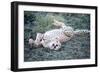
(76, 48)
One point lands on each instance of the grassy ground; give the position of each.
(76, 48)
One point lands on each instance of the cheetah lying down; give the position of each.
(53, 39)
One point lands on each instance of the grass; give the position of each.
(76, 48)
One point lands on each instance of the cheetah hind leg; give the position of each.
(58, 23)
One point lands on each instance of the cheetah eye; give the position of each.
(52, 44)
(40, 39)
(56, 45)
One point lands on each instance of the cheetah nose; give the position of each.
(54, 46)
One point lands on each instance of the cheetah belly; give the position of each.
(55, 34)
